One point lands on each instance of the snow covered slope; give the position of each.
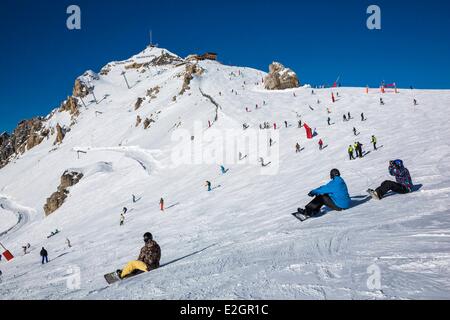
(238, 241)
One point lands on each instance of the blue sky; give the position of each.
(40, 57)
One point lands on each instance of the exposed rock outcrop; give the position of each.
(34, 139)
(105, 70)
(71, 106)
(56, 200)
(138, 103)
(153, 92)
(148, 122)
(136, 65)
(27, 135)
(80, 89)
(280, 78)
(83, 84)
(166, 59)
(6, 148)
(60, 134)
(191, 71)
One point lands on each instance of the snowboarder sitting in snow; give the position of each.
(402, 185)
(334, 195)
(148, 258)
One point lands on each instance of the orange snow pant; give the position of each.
(133, 266)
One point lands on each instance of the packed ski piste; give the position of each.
(99, 200)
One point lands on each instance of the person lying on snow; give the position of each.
(148, 259)
(402, 185)
(334, 195)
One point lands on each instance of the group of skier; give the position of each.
(356, 147)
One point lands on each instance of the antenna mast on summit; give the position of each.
(150, 33)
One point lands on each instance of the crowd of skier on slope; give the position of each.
(333, 195)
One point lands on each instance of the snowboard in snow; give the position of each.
(112, 277)
(300, 216)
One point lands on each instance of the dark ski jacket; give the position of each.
(337, 190)
(401, 175)
(44, 253)
(150, 255)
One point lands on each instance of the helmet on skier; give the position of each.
(398, 163)
(147, 237)
(334, 173)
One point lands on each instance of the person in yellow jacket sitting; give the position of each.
(148, 258)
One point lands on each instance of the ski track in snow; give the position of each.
(238, 241)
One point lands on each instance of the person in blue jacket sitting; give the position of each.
(334, 195)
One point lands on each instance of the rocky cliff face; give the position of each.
(56, 200)
(166, 59)
(60, 134)
(71, 106)
(191, 70)
(280, 78)
(80, 89)
(27, 135)
(6, 148)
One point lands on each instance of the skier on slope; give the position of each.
(161, 204)
(334, 195)
(208, 184)
(354, 131)
(374, 142)
(329, 120)
(350, 152)
(44, 255)
(358, 149)
(362, 116)
(344, 118)
(320, 144)
(349, 116)
(297, 148)
(360, 145)
(148, 258)
(122, 219)
(402, 185)
(381, 102)
(223, 170)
